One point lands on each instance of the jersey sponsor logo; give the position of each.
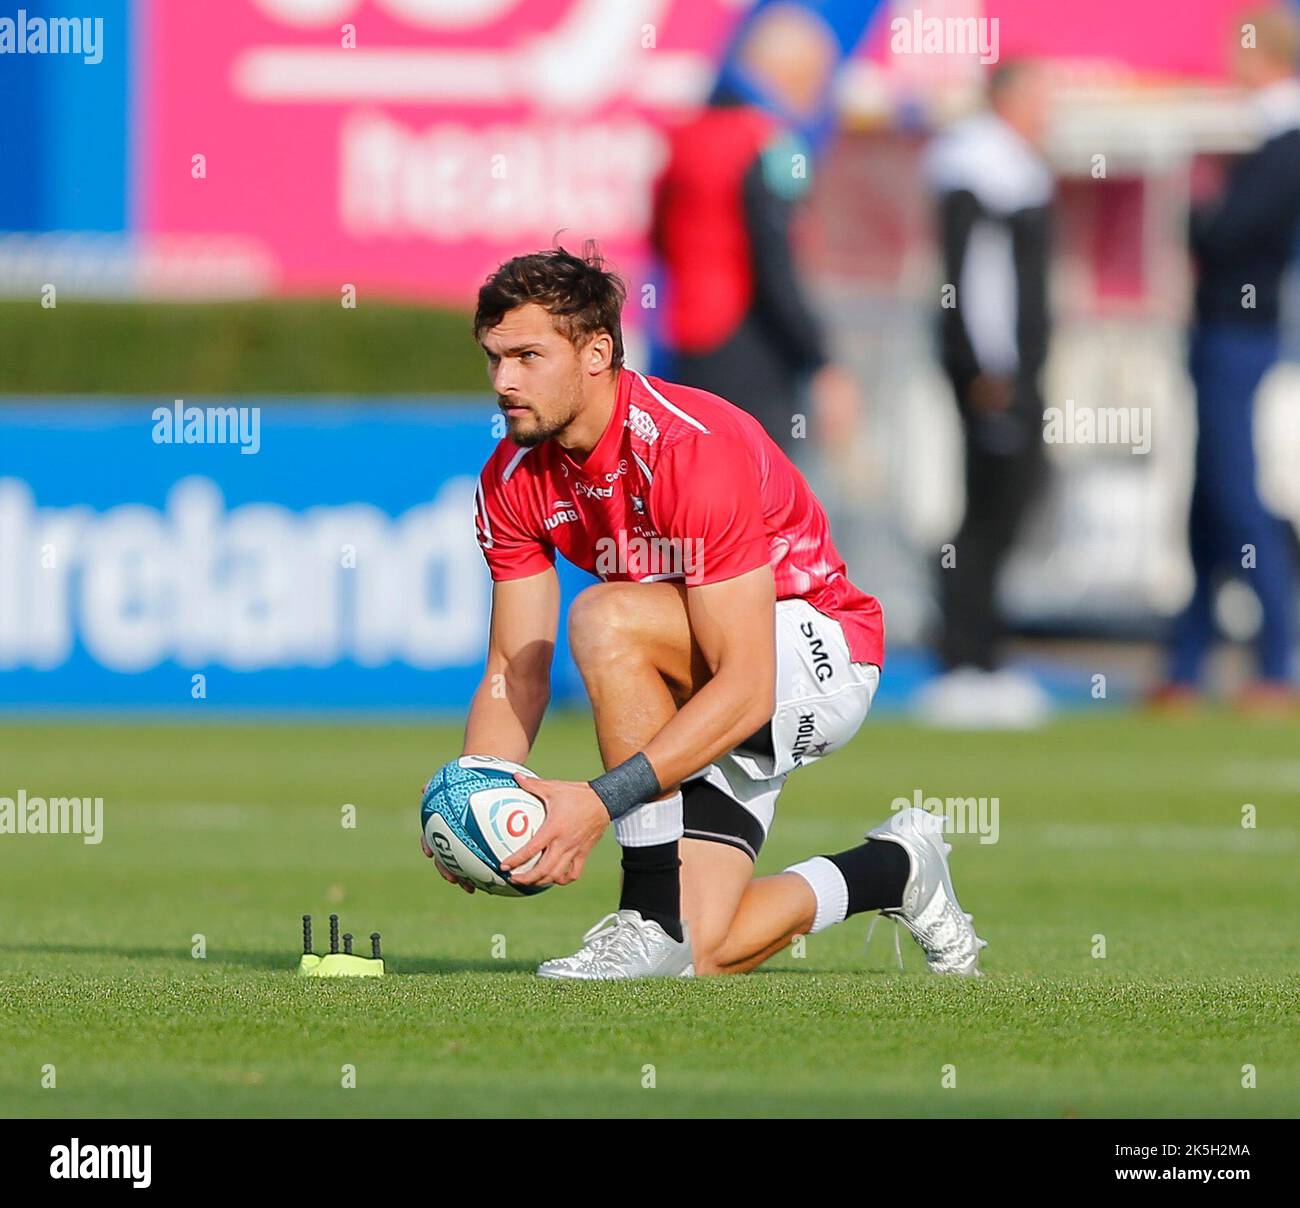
(822, 666)
(562, 512)
(642, 424)
(589, 491)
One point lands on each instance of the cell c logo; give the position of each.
(436, 13)
(517, 824)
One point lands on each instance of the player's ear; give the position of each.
(599, 353)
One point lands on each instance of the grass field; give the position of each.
(1117, 826)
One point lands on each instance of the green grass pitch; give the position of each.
(1116, 826)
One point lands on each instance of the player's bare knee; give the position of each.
(602, 623)
(708, 946)
(705, 962)
(711, 963)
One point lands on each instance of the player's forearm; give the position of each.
(726, 711)
(504, 717)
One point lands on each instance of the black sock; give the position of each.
(652, 885)
(875, 873)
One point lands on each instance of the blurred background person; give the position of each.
(994, 191)
(739, 322)
(1242, 244)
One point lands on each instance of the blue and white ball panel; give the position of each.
(492, 763)
(502, 820)
(474, 815)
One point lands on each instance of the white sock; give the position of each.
(829, 888)
(650, 824)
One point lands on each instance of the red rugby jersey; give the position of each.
(682, 485)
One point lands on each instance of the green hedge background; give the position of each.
(280, 347)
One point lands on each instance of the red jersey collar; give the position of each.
(604, 457)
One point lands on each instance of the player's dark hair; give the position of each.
(582, 295)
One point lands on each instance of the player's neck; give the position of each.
(588, 426)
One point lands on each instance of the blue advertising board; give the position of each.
(230, 554)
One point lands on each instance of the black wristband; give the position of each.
(633, 782)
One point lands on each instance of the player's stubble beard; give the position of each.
(531, 430)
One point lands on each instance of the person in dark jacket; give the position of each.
(994, 198)
(1242, 243)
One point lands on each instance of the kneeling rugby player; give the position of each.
(724, 648)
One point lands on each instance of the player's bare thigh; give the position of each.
(615, 626)
(617, 632)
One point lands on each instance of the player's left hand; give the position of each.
(575, 819)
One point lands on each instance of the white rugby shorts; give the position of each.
(822, 698)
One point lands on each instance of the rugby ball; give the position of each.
(474, 815)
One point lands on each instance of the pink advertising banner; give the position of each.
(405, 146)
(1170, 38)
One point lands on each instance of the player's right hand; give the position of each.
(443, 871)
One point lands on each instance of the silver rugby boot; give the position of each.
(930, 910)
(624, 945)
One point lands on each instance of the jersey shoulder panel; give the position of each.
(507, 462)
(666, 413)
(684, 417)
(508, 519)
